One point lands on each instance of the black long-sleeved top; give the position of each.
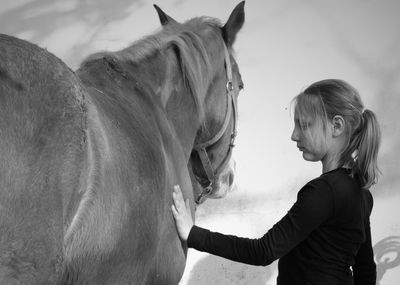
(324, 235)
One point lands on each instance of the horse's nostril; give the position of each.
(230, 179)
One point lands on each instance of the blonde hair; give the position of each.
(327, 98)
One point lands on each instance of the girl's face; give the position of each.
(311, 138)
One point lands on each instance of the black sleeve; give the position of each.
(314, 205)
(364, 269)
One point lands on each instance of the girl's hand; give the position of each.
(182, 215)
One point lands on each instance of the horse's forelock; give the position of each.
(194, 59)
(195, 66)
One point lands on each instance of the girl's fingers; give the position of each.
(187, 205)
(176, 204)
(177, 190)
(178, 199)
(174, 211)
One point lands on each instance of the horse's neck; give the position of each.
(174, 95)
(161, 76)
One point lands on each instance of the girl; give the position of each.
(325, 237)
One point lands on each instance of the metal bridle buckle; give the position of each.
(206, 191)
(229, 86)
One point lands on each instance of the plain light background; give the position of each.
(284, 46)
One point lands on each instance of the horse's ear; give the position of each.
(234, 24)
(164, 18)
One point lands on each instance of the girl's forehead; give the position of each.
(301, 116)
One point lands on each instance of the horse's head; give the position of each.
(211, 160)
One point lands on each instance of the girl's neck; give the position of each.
(329, 165)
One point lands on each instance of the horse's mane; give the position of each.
(185, 40)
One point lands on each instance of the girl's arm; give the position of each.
(313, 206)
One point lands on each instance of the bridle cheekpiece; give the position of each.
(201, 148)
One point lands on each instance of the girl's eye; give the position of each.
(241, 86)
(305, 125)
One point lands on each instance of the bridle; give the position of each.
(201, 148)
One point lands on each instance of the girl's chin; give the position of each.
(309, 157)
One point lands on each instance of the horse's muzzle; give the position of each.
(225, 182)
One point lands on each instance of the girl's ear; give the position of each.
(338, 125)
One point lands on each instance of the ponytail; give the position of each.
(367, 142)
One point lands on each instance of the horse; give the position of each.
(90, 157)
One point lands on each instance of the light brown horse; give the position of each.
(89, 158)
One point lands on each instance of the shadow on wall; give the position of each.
(387, 255)
(41, 16)
(36, 20)
(216, 270)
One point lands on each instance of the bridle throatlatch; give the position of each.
(201, 148)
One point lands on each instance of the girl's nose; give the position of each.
(295, 135)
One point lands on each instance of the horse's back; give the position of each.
(41, 145)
